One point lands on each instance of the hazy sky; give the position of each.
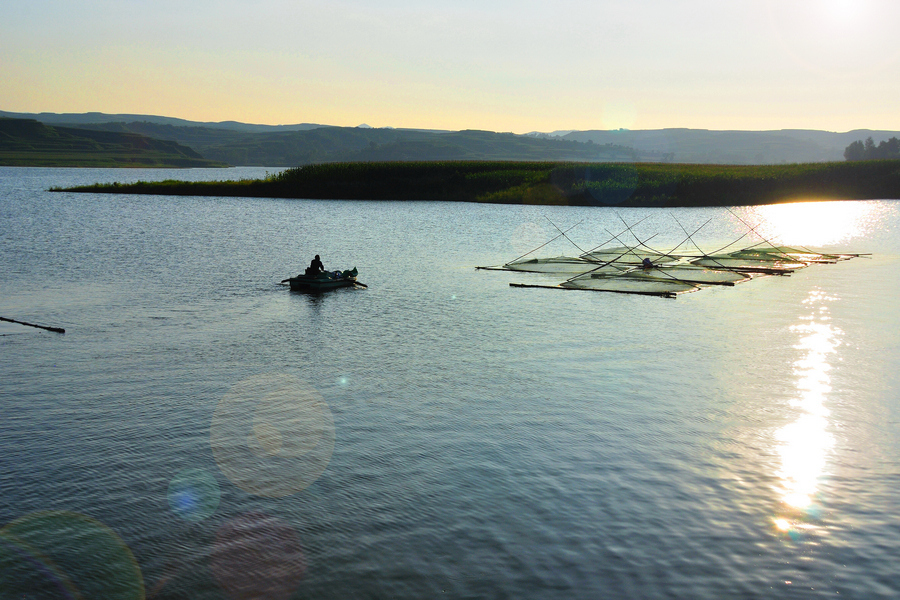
(461, 64)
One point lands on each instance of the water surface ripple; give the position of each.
(438, 433)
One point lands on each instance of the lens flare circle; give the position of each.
(67, 555)
(194, 494)
(25, 572)
(607, 184)
(611, 184)
(257, 556)
(272, 435)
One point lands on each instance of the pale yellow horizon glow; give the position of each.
(501, 66)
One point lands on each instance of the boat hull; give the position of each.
(323, 282)
(303, 284)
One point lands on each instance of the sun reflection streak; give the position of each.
(805, 443)
(815, 223)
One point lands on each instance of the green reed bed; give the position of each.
(614, 184)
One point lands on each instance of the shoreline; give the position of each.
(551, 183)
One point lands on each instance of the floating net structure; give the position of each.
(640, 269)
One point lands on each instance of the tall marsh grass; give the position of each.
(618, 184)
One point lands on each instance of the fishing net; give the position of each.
(626, 284)
(691, 274)
(642, 269)
(749, 265)
(629, 256)
(560, 264)
(791, 254)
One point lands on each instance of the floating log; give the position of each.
(53, 329)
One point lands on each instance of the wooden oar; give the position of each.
(53, 329)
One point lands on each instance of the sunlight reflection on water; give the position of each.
(816, 223)
(805, 443)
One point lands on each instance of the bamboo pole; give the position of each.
(53, 329)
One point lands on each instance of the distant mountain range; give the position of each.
(91, 118)
(30, 143)
(735, 147)
(306, 143)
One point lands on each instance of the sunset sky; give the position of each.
(497, 65)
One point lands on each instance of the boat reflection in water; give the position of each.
(804, 445)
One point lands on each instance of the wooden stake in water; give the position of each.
(53, 329)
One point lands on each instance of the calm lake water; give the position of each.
(200, 431)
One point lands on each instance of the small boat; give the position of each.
(323, 282)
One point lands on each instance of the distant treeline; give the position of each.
(886, 150)
(597, 184)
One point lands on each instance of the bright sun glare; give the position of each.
(814, 223)
(842, 10)
(804, 444)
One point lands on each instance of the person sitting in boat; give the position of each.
(315, 267)
(647, 263)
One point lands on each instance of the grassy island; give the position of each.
(583, 184)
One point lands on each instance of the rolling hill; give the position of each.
(27, 142)
(307, 143)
